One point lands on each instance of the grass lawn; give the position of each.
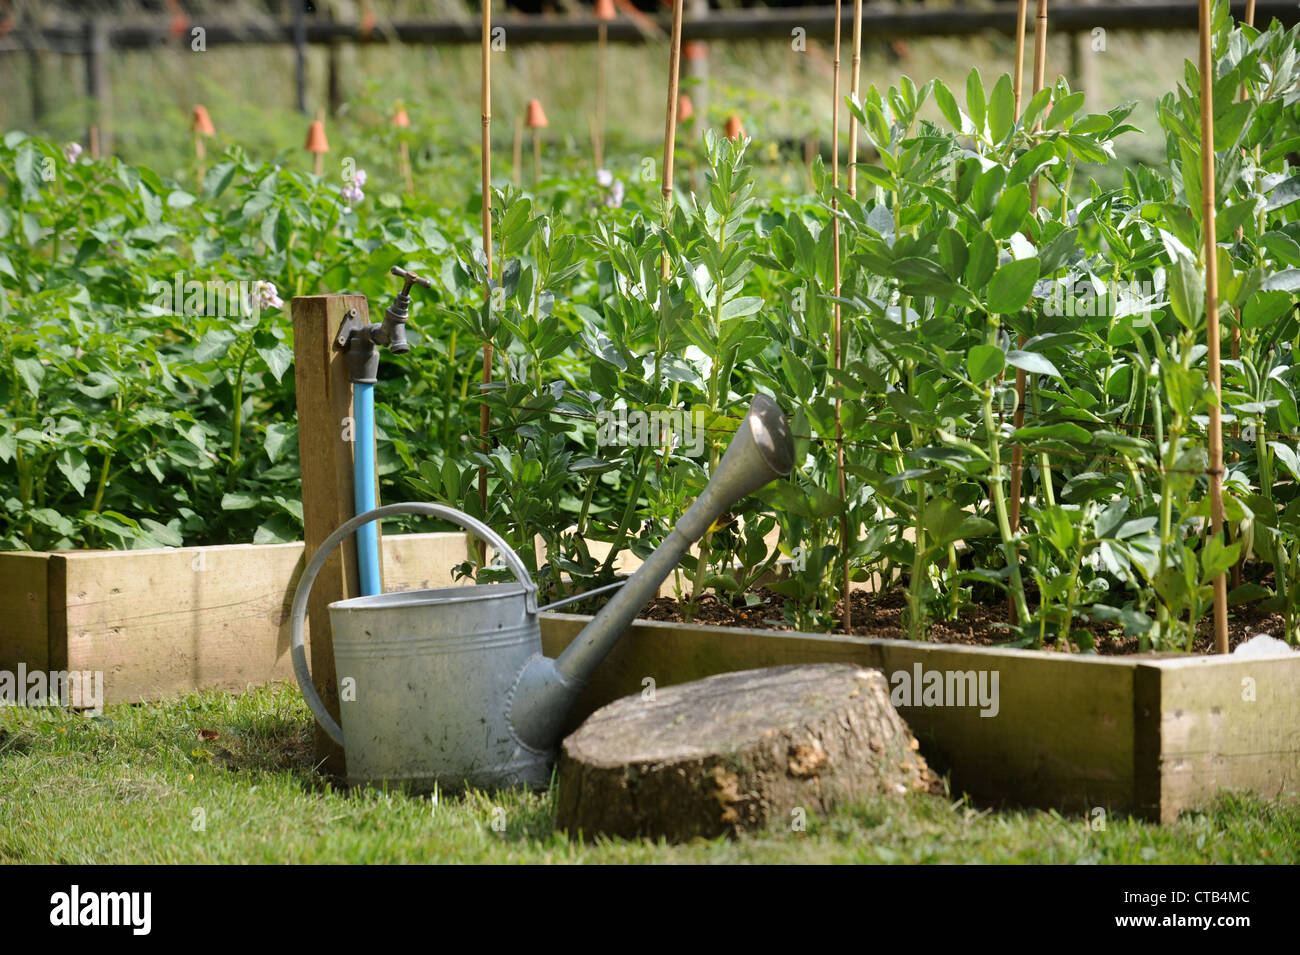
(152, 784)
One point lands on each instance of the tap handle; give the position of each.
(411, 279)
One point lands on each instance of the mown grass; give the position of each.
(133, 785)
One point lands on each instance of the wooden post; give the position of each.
(334, 77)
(598, 140)
(325, 430)
(36, 80)
(98, 86)
(1082, 75)
(697, 65)
(517, 153)
(300, 56)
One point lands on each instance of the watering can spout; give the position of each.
(465, 694)
(761, 451)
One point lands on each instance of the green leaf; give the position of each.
(1064, 108)
(275, 230)
(27, 164)
(983, 260)
(745, 305)
(217, 179)
(278, 359)
(1031, 162)
(1066, 431)
(277, 436)
(213, 345)
(239, 501)
(948, 105)
(953, 253)
(1011, 286)
(975, 102)
(1135, 624)
(1287, 455)
(74, 466)
(1216, 558)
(1002, 109)
(1058, 251)
(1011, 211)
(1186, 291)
(1032, 362)
(1284, 193)
(984, 362)
(941, 519)
(280, 529)
(32, 372)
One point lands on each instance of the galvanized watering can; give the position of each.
(450, 687)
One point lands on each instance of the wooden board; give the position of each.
(422, 561)
(1061, 732)
(1218, 725)
(158, 622)
(23, 611)
(166, 621)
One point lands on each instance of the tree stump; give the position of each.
(736, 752)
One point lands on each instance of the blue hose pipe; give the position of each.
(363, 480)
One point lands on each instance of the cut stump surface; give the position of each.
(738, 751)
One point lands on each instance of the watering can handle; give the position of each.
(297, 646)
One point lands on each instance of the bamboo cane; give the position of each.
(853, 90)
(670, 121)
(1018, 80)
(484, 414)
(1212, 318)
(836, 331)
(404, 161)
(401, 123)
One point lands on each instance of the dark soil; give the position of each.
(977, 624)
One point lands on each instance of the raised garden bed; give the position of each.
(1151, 734)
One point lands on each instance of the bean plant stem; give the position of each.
(837, 337)
(1212, 317)
(485, 418)
(1000, 505)
(237, 413)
